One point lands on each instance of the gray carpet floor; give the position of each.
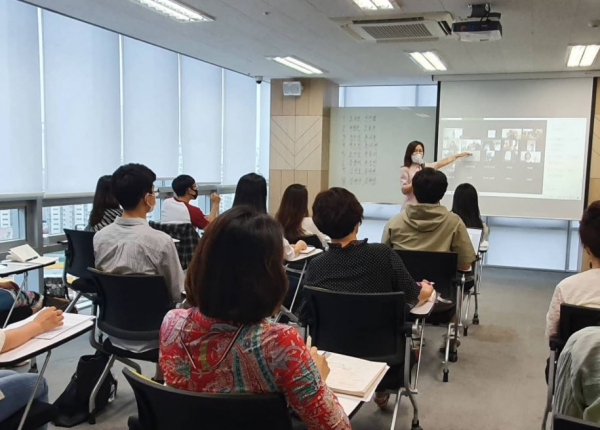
(497, 384)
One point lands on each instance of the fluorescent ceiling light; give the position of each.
(429, 61)
(374, 4)
(589, 56)
(582, 55)
(175, 10)
(297, 64)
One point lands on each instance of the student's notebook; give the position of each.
(353, 376)
(26, 254)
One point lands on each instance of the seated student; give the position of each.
(16, 388)
(577, 391)
(429, 226)
(293, 216)
(582, 289)
(353, 265)
(251, 190)
(131, 246)
(105, 208)
(8, 295)
(466, 206)
(178, 210)
(224, 344)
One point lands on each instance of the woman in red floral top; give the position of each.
(223, 344)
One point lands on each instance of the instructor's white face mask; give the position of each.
(417, 159)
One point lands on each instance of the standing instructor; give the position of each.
(413, 162)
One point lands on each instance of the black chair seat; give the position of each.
(40, 414)
(151, 355)
(18, 314)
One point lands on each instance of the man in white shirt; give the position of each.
(178, 210)
(582, 289)
(131, 246)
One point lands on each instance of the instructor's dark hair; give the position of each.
(589, 228)
(429, 185)
(181, 184)
(466, 205)
(410, 149)
(244, 289)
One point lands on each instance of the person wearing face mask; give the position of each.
(178, 210)
(414, 162)
(130, 246)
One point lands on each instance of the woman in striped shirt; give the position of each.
(106, 208)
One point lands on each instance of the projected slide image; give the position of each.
(508, 155)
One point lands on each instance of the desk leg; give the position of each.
(37, 384)
(12, 308)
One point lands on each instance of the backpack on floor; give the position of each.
(73, 403)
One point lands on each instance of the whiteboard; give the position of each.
(367, 148)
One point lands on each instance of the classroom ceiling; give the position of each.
(536, 36)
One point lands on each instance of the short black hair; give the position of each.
(181, 184)
(336, 212)
(131, 183)
(429, 185)
(589, 228)
(249, 287)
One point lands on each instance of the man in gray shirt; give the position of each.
(131, 246)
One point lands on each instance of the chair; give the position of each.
(187, 236)
(368, 326)
(572, 319)
(439, 268)
(132, 307)
(78, 257)
(480, 251)
(166, 408)
(40, 414)
(563, 422)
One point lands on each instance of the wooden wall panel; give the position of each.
(300, 137)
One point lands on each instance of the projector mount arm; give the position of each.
(483, 11)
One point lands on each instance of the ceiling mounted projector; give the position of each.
(482, 26)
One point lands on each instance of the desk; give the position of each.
(36, 347)
(10, 268)
(301, 259)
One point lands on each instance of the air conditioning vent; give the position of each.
(400, 28)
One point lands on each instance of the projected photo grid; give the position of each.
(506, 154)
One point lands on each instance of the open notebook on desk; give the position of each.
(70, 321)
(354, 377)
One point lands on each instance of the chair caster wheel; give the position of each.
(416, 426)
(466, 331)
(453, 357)
(446, 372)
(476, 320)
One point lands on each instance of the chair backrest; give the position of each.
(574, 318)
(475, 235)
(80, 253)
(166, 408)
(187, 236)
(132, 307)
(437, 267)
(369, 326)
(563, 422)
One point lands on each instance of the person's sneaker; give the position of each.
(381, 399)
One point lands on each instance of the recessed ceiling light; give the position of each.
(297, 64)
(582, 55)
(175, 10)
(375, 4)
(429, 61)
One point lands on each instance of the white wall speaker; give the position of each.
(292, 88)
